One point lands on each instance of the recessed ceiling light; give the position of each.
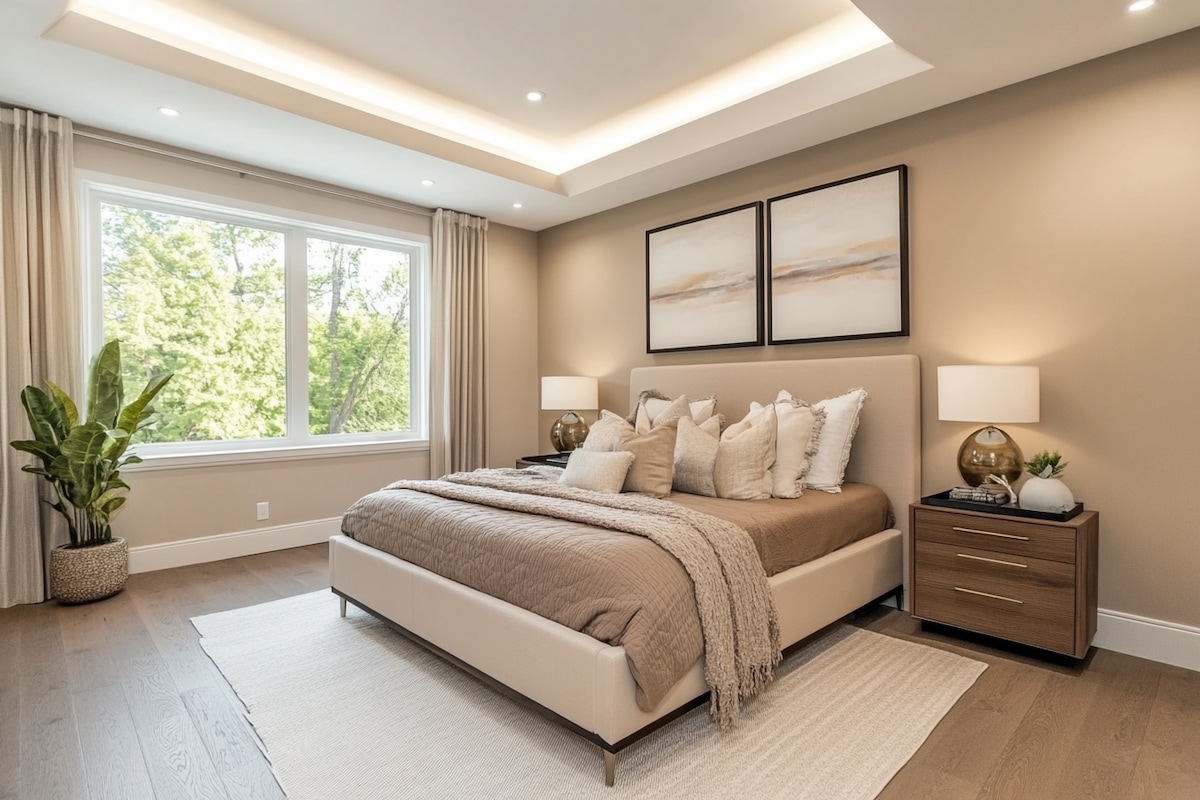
(517, 205)
(1140, 5)
(427, 182)
(167, 111)
(535, 96)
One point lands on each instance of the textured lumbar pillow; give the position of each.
(596, 470)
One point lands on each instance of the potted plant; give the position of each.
(1043, 491)
(82, 461)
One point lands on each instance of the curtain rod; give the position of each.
(243, 171)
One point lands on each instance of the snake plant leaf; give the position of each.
(106, 390)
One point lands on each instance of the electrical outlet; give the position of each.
(264, 510)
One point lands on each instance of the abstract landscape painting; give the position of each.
(839, 260)
(703, 286)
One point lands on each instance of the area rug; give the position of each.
(349, 708)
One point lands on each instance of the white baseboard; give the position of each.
(150, 557)
(1153, 639)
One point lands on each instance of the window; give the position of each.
(282, 333)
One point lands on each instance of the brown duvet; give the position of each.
(619, 588)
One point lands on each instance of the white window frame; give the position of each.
(296, 227)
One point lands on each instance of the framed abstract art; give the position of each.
(838, 260)
(704, 282)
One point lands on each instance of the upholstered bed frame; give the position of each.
(585, 684)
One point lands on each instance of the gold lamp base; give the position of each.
(989, 451)
(568, 432)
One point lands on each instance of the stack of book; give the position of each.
(988, 495)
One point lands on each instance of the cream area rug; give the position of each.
(349, 708)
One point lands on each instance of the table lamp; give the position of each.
(989, 394)
(561, 392)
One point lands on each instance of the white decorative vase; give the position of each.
(1046, 494)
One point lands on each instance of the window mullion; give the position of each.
(296, 322)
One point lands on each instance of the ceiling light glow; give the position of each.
(518, 205)
(292, 63)
(1140, 5)
(535, 96)
(167, 111)
(427, 182)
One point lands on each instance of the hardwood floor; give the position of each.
(117, 700)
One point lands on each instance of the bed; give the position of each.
(585, 684)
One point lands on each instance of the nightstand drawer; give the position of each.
(1023, 538)
(1022, 599)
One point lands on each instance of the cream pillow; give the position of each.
(695, 457)
(654, 403)
(797, 428)
(746, 452)
(842, 413)
(652, 413)
(596, 470)
(654, 452)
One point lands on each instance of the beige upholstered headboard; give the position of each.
(887, 448)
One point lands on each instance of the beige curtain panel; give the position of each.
(39, 310)
(458, 344)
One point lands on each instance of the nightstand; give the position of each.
(553, 460)
(1026, 580)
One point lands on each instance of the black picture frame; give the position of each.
(837, 260)
(704, 286)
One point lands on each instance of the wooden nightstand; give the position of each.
(1027, 580)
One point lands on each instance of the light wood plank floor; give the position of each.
(117, 700)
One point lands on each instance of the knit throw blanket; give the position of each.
(736, 610)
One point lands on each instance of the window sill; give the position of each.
(153, 463)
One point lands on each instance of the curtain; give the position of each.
(39, 313)
(458, 344)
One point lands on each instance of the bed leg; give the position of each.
(610, 768)
(342, 605)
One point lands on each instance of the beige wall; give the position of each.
(169, 505)
(512, 344)
(1055, 223)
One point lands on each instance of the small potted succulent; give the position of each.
(1042, 490)
(80, 453)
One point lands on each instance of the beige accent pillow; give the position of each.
(797, 428)
(654, 452)
(596, 470)
(695, 457)
(746, 452)
(828, 469)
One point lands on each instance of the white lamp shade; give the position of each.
(569, 393)
(988, 394)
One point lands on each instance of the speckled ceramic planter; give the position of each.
(84, 574)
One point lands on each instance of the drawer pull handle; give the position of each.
(994, 561)
(990, 533)
(985, 594)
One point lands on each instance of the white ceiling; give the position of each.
(642, 96)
